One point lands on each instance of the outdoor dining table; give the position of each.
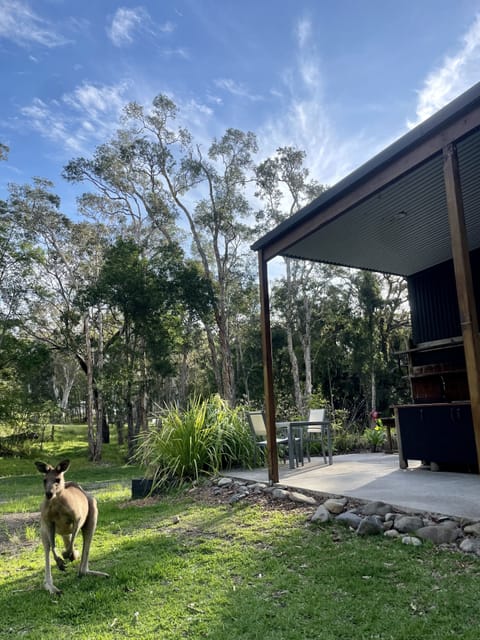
(298, 427)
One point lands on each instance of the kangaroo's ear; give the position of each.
(62, 466)
(43, 467)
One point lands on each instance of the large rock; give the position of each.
(257, 487)
(473, 528)
(376, 508)
(470, 545)
(439, 534)
(335, 505)
(302, 498)
(411, 540)
(408, 524)
(321, 515)
(349, 519)
(370, 526)
(445, 522)
(281, 494)
(237, 497)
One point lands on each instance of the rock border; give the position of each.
(365, 518)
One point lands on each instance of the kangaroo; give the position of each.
(66, 510)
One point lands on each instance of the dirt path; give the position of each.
(13, 529)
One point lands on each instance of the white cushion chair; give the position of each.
(256, 420)
(319, 430)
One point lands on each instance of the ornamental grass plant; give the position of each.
(204, 438)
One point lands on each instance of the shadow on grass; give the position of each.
(180, 569)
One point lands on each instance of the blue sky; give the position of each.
(340, 79)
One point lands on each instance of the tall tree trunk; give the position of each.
(373, 384)
(214, 358)
(93, 445)
(103, 434)
(120, 429)
(63, 384)
(142, 400)
(130, 423)
(129, 394)
(242, 371)
(297, 392)
(67, 388)
(145, 394)
(226, 364)
(183, 378)
(307, 354)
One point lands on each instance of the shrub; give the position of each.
(346, 435)
(347, 442)
(204, 438)
(375, 436)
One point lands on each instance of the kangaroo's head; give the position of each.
(53, 480)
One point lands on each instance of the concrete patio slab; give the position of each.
(377, 476)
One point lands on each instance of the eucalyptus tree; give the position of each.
(284, 186)
(17, 252)
(67, 259)
(26, 398)
(151, 298)
(25, 364)
(154, 169)
(65, 375)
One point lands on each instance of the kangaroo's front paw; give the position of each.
(60, 563)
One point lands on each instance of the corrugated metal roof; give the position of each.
(402, 227)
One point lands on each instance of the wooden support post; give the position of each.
(464, 283)
(268, 370)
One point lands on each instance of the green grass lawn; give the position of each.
(180, 568)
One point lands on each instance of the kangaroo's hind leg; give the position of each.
(48, 540)
(87, 531)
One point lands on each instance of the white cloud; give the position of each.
(51, 125)
(303, 32)
(236, 89)
(167, 27)
(81, 119)
(457, 73)
(97, 100)
(302, 120)
(124, 23)
(20, 24)
(178, 52)
(305, 120)
(128, 23)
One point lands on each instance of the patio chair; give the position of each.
(256, 420)
(319, 432)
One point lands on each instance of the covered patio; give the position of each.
(413, 210)
(377, 477)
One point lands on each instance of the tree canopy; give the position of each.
(147, 293)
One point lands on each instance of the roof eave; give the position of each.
(453, 111)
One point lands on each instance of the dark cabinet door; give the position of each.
(442, 434)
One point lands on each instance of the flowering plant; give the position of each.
(375, 436)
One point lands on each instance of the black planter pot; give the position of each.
(142, 487)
